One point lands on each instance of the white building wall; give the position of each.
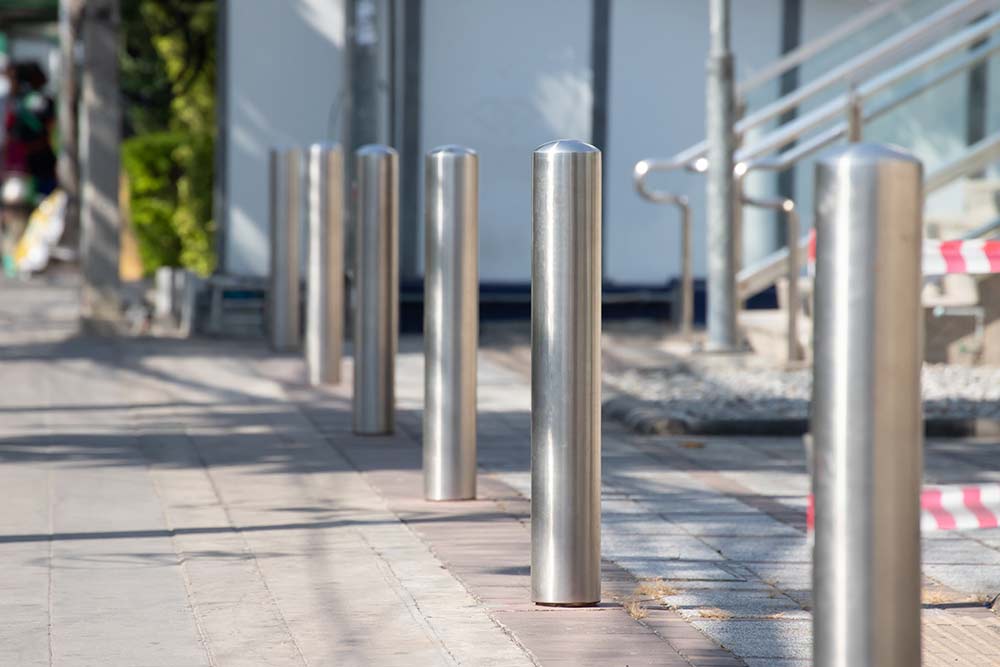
(284, 80)
(656, 108)
(503, 77)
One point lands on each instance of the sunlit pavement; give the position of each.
(191, 502)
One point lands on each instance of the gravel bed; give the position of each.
(706, 393)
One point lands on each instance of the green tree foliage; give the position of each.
(168, 80)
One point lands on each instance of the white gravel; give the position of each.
(708, 392)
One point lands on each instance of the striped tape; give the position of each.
(959, 507)
(971, 257)
(977, 257)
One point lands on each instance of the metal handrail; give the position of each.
(916, 35)
(796, 57)
(823, 139)
(978, 156)
(787, 206)
(687, 271)
(849, 105)
(764, 273)
(842, 104)
(982, 231)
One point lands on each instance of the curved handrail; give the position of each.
(979, 155)
(787, 206)
(687, 271)
(756, 158)
(916, 35)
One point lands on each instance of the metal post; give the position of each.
(364, 112)
(376, 317)
(687, 271)
(451, 322)
(722, 335)
(855, 115)
(566, 375)
(100, 148)
(325, 269)
(794, 352)
(70, 18)
(286, 214)
(866, 408)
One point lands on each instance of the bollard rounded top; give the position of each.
(859, 154)
(285, 149)
(324, 146)
(375, 149)
(451, 149)
(567, 146)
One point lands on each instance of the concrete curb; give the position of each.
(649, 418)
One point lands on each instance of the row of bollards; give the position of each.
(565, 340)
(866, 417)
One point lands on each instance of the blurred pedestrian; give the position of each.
(28, 123)
(27, 159)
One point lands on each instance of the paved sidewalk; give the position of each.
(187, 503)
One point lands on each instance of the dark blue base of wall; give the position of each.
(512, 301)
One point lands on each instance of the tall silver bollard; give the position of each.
(566, 374)
(866, 424)
(325, 271)
(286, 219)
(451, 322)
(376, 315)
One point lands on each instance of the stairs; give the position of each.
(961, 319)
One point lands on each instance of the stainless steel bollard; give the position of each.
(566, 374)
(286, 219)
(325, 269)
(451, 322)
(866, 420)
(376, 315)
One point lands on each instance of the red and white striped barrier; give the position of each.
(977, 257)
(972, 257)
(958, 507)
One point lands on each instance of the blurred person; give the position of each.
(29, 121)
(27, 159)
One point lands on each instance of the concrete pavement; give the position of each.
(193, 502)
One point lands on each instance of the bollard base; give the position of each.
(374, 433)
(567, 604)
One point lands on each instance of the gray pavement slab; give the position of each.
(191, 502)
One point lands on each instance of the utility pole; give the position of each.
(363, 33)
(363, 108)
(722, 334)
(70, 14)
(100, 219)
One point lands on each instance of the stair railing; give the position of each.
(849, 105)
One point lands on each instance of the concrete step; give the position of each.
(766, 331)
